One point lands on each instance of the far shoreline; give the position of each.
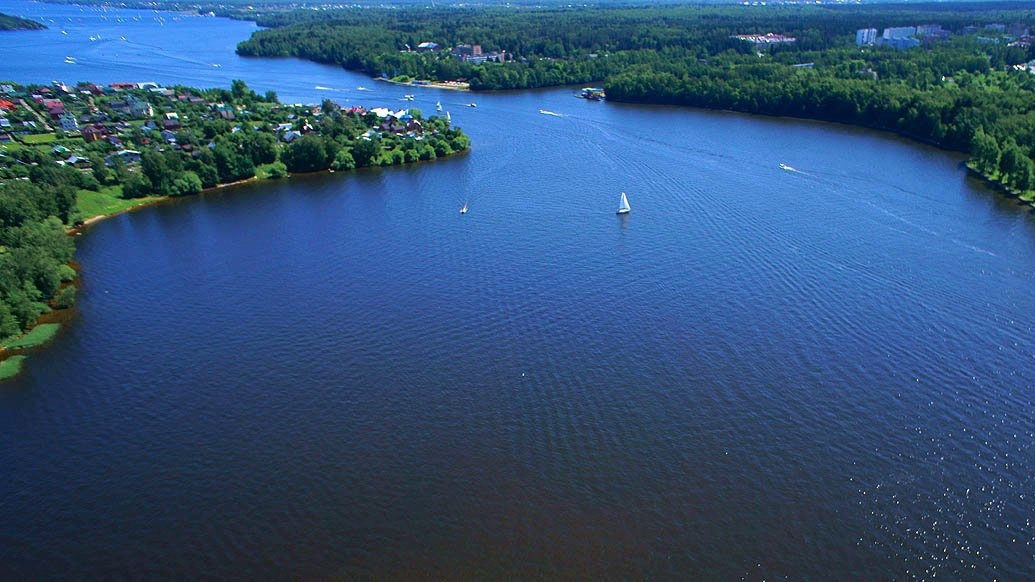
(447, 85)
(967, 161)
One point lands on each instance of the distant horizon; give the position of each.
(531, 4)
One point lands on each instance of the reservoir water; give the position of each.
(818, 371)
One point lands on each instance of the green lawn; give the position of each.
(10, 367)
(37, 336)
(38, 138)
(72, 142)
(107, 201)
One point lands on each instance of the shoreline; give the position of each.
(80, 228)
(56, 321)
(62, 316)
(998, 186)
(447, 85)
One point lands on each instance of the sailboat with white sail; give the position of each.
(623, 205)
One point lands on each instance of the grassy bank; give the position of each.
(37, 336)
(411, 82)
(10, 367)
(108, 201)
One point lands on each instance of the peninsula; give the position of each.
(8, 22)
(72, 154)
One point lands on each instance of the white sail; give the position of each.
(623, 206)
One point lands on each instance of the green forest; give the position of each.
(34, 249)
(962, 90)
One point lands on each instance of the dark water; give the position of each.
(759, 372)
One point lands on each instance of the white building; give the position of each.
(865, 36)
(898, 32)
(929, 30)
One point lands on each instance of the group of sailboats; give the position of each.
(623, 206)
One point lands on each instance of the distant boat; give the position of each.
(448, 118)
(70, 60)
(362, 89)
(623, 206)
(463, 209)
(438, 106)
(545, 112)
(591, 93)
(472, 105)
(63, 32)
(408, 97)
(788, 168)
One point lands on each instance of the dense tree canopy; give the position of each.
(34, 249)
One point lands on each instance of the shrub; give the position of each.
(65, 298)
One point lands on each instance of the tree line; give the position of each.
(34, 248)
(962, 93)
